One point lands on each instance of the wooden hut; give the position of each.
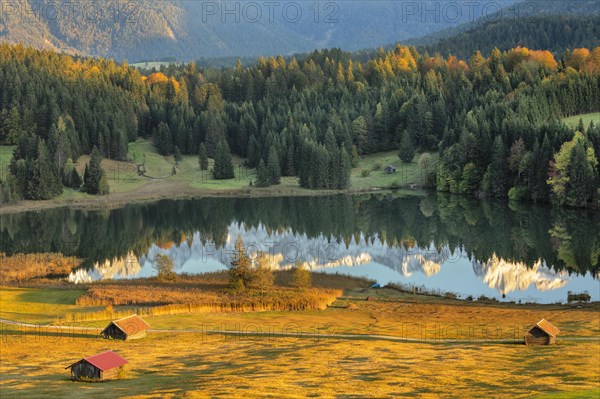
(101, 367)
(542, 333)
(131, 327)
(390, 170)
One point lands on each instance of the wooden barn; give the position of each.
(131, 327)
(101, 367)
(542, 333)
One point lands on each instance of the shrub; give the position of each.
(517, 193)
(377, 166)
(365, 173)
(302, 278)
(583, 297)
(23, 267)
(450, 295)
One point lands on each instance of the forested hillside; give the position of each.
(556, 33)
(495, 121)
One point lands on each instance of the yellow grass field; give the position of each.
(197, 366)
(201, 363)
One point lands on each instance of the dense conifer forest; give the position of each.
(495, 121)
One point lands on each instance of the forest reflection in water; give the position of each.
(442, 242)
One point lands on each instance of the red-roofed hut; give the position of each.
(101, 367)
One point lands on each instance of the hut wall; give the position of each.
(85, 370)
(114, 332)
(536, 336)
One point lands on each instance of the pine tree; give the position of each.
(71, 178)
(45, 183)
(470, 179)
(203, 157)
(290, 163)
(355, 156)
(498, 185)
(273, 167)
(581, 177)
(344, 169)
(240, 273)
(94, 181)
(177, 155)
(223, 168)
(262, 175)
(163, 140)
(407, 149)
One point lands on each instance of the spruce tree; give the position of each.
(223, 168)
(71, 178)
(407, 149)
(45, 182)
(581, 177)
(498, 185)
(262, 175)
(177, 155)
(163, 140)
(203, 157)
(239, 272)
(273, 167)
(95, 181)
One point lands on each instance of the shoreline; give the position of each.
(174, 191)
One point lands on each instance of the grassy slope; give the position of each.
(38, 305)
(126, 185)
(573, 121)
(199, 365)
(406, 173)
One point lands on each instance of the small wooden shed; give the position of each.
(542, 333)
(101, 367)
(130, 327)
(390, 170)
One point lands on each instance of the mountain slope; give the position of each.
(555, 25)
(186, 30)
(552, 32)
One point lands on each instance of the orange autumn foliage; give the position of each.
(157, 78)
(518, 55)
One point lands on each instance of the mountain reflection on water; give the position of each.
(441, 242)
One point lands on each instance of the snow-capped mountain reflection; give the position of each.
(128, 266)
(507, 277)
(283, 248)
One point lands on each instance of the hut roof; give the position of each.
(104, 361)
(130, 325)
(548, 328)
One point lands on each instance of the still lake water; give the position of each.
(440, 242)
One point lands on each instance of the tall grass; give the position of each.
(170, 299)
(23, 267)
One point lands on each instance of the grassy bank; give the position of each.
(189, 181)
